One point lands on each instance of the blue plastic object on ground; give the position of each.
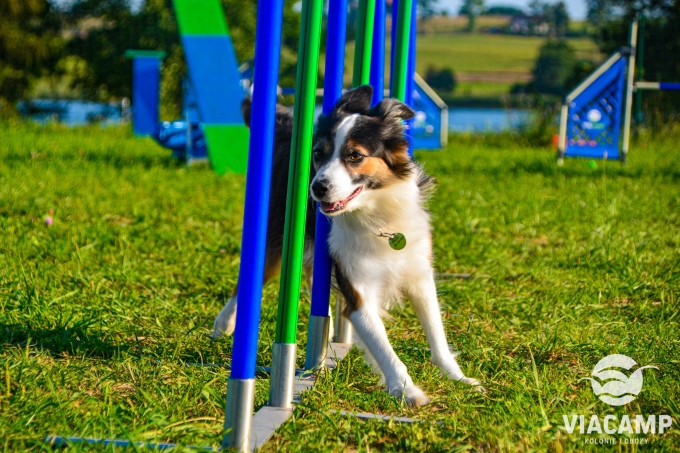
(430, 125)
(174, 135)
(594, 116)
(146, 70)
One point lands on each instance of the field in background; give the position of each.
(486, 65)
(103, 313)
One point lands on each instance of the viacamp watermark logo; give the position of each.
(617, 380)
(616, 388)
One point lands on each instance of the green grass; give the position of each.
(100, 311)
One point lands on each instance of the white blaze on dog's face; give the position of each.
(358, 149)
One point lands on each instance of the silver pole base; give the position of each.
(238, 417)
(343, 327)
(317, 341)
(283, 375)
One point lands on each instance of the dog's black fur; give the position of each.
(283, 136)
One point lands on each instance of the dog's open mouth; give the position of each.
(336, 206)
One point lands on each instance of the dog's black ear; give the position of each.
(391, 108)
(246, 108)
(356, 100)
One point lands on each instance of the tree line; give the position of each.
(77, 50)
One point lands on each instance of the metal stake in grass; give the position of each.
(283, 351)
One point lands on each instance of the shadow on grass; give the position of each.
(62, 340)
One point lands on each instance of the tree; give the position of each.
(537, 7)
(599, 13)
(472, 9)
(503, 10)
(442, 80)
(29, 44)
(426, 9)
(661, 44)
(553, 68)
(558, 17)
(106, 28)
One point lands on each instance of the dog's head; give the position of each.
(359, 149)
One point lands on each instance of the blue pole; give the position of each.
(335, 53)
(332, 86)
(378, 52)
(411, 72)
(321, 287)
(240, 393)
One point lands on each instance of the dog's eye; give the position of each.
(317, 154)
(355, 157)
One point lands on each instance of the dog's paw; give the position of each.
(224, 325)
(475, 383)
(412, 395)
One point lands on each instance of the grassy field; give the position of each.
(102, 313)
(506, 59)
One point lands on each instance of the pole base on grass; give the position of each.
(238, 417)
(317, 341)
(283, 375)
(343, 328)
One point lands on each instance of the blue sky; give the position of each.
(577, 8)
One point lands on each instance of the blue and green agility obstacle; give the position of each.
(595, 118)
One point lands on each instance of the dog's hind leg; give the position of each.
(308, 266)
(225, 322)
(423, 295)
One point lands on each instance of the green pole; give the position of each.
(640, 69)
(298, 174)
(283, 353)
(401, 49)
(364, 43)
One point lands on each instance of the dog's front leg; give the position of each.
(371, 330)
(423, 295)
(225, 322)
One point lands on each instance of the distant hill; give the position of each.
(486, 65)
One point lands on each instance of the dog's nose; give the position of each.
(320, 188)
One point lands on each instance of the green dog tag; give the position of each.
(397, 241)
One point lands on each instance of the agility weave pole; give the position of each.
(241, 386)
(284, 348)
(319, 319)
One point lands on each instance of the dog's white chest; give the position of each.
(372, 265)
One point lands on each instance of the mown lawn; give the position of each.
(103, 313)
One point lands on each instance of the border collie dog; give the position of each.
(380, 240)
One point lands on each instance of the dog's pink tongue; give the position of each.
(329, 206)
